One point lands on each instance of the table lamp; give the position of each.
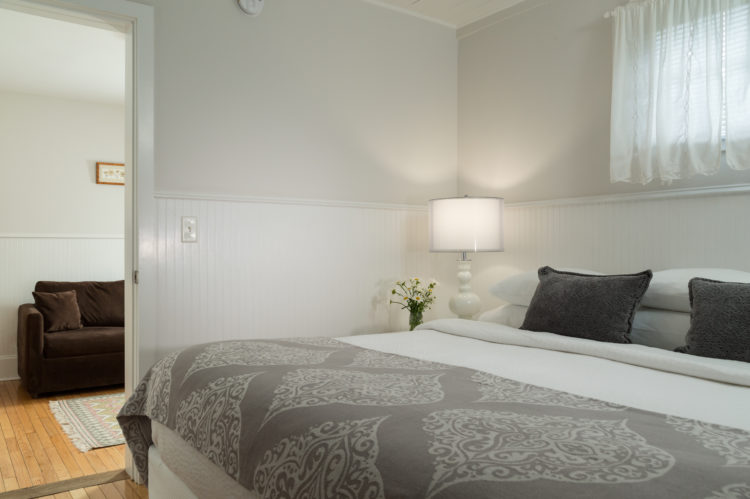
(463, 225)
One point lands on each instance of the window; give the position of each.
(681, 89)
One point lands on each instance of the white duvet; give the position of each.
(712, 390)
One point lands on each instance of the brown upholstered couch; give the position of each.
(83, 358)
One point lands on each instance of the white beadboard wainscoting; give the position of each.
(272, 268)
(279, 268)
(28, 258)
(622, 234)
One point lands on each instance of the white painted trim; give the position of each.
(407, 12)
(62, 236)
(8, 367)
(61, 14)
(292, 201)
(498, 17)
(639, 196)
(601, 199)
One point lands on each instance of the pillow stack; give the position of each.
(718, 298)
(67, 306)
(672, 298)
(593, 307)
(719, 321)
(572, 302)
(517, 290)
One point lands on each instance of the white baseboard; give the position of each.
(8, 367)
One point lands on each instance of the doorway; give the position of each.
(135, 23)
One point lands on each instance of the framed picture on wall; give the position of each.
(110, 173)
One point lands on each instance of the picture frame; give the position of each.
(110, 173)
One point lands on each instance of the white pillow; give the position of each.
(669, 288)
(518, 289)
(653, 328)
(508, 315)
(660, 328)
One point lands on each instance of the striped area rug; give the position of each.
(90, 422)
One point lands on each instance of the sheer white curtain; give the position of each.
(681, 89)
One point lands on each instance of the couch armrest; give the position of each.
(30, 339)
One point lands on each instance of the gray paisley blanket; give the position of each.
(318, 418)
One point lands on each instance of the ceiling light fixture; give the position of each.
(251, 7)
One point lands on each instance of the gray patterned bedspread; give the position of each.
(318, 418)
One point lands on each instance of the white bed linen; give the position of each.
(727, 371)
(603, 379)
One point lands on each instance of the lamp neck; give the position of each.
(463, 256)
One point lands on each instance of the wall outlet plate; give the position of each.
(189, 229)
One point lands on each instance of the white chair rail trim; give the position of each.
(61, 236)
(606, 198)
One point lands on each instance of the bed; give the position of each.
(454, 409)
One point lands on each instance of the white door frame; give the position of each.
(137, 21)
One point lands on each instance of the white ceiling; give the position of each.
(44, 56)
(455, 13)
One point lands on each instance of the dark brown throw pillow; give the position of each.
(102, 303)
(60, 310)
(594, 307)
(719, 320)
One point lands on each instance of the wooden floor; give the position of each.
(35, 451)
(125, 488)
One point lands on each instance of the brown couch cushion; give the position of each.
(101, 303)
(60, 310)
(86, 341)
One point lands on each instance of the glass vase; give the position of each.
(415, 319)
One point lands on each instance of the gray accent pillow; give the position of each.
(719, 320)
(594, 307)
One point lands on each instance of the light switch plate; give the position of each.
(189, 230)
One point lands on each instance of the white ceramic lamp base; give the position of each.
(465, 304)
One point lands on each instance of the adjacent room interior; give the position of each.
(62, 150)
(482, 248)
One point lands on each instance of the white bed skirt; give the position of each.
(163, 483)
(177, 470)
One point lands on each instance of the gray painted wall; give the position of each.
(323, 99)
(49, 147)
(534, 92)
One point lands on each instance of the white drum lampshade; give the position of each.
(464, 225)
